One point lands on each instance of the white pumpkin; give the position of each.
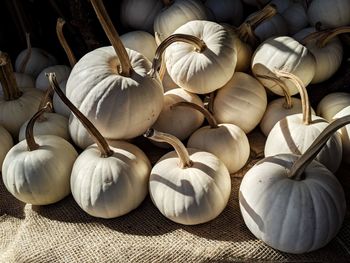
(62, 73)
(209, 65)
(227, 11)
(331, 104)
(344, 133)
(139, 14)
(6, 143)
(58, 105)
(190, 186)
(226, 141)
(295, 133)
(287, 54)
(16, 106)
(330, 13)
(242, 101)
(175, 14)
(34, 165)
(141, 42)
(114, 90)
(178, 121)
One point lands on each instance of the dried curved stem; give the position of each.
(59, 31)
(125, 68)
(180, 149)
(297, 170)
(209, 117)
(31, 143)
(24, 63)
(47, 98)
(198, 44)
(101, 142)
(323, 37)
(303, 93)
(7, 78)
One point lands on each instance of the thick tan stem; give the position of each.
(28, 54)
(297, 170)
(180, 149)
(59, 31)
(209, 117)
(305, 103)
(101, 142)
(7, 78)
(31, 143)
(323, 37)
(197, 43)
(162, 70)
(112, 34)
(288, 98)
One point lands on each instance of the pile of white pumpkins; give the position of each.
(153, 82)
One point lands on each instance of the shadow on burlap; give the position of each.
(62, 232)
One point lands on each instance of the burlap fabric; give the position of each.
(63, 233)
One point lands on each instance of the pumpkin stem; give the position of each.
(101, 142)
(32, 145)
(323, 37)
(125, 68)
(44, 101)
(199, 46)
(162, 70)
(288, 98)
(167, 2)
(59, 31)
(180, 149)
(305, 104)
(7, 78)
(246, 30)
(24, 63)
(297, 170)
(209, 117)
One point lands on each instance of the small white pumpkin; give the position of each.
(205, 62)
(331, 104)
(242, 101)
(180, 122)
(283, 53)
(62, 73)
(227, 11)
(344, 133)
(175, 14)
(330, 13)
(139, 14)
(141, 42)
(227, 141)
(295, 133)
(6, 143)
(114, 90)
(37, 171)
(190, 186)
(16, 106)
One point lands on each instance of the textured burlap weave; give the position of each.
(63, 233)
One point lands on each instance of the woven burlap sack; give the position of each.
(62, 232)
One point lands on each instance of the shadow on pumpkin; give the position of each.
(9, 205)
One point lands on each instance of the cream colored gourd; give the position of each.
(37, 170)
(293, 204)
(242, 101)
(226, 141)
(62, 73)
(278, 109)
(331, 104)
(16, 106)
(180, 122)
(330, 13)
(141, 42)
(188, 186)
(205, 62)
(344, 134)
(295, 133)
(111, 86)
(175, 14)
(139, 14)
(327, 50)
(227, 11)
(6, 143)
(33, 60)
(107, 181)
(286, 54)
